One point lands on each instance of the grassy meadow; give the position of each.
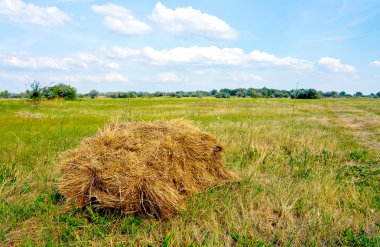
(310, 171)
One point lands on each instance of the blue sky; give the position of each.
(191, 45)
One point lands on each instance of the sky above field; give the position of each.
(191, 45)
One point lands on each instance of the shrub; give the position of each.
(66, 91)
(4, 94)
(35, 92)
(93, 94)
(358, 94)
(306, 94)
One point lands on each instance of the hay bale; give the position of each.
(143, 168)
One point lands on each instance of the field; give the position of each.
(310, 172)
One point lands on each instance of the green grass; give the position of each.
(307, 178)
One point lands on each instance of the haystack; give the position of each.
(144, 168)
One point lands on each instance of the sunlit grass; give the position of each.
(306, 179)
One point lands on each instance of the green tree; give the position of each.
(358, 94)
(242, 93)
(66, 91)
(306, 94)
(4, 94)
(93, 94)
(49, 92)
(35, 92)
(342, 94)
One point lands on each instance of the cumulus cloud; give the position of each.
(85, 59)
(264, 57)
(207, 55)
(188, 21)
(199, 60)
(335, 65)
(38, 62)
(15, 77)
(244, 76)
(115, 77)
(21, 12)
(195, 54)
(199, 72)
(119, 52)
(120, 20)
(376, 63)
(167, 77)
(79, 61)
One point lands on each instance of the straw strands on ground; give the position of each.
(144, 168)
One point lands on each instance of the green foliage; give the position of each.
(306, 94)
(222, 95)
(4, 94)
(242, 93)
(358, 94)
(358, 155)
(67, 92)
(59, 91)
(93, 94)
(35, 92)
(167, 240)
(349, 238)
(130, 225)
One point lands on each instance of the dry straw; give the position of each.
(144, 168)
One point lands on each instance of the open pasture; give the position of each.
(310, 171)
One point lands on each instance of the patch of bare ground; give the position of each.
(363, 125)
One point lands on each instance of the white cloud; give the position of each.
(264, 57)
(119, 52)
(15, 77)
(207, 55)
(120, 20)
(79, 61)
(199, 72)
(112, 65)
(115, 77)
(21, 12)
(85, 59)
(376, 63)
(38, 62)
(244, 76)
(335, 65)
(188, 21)
(195, 54)
(167, 77)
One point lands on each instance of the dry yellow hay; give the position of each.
(144, 168)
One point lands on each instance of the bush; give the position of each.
(4, 94)
(358, 94)
(35, 92)
(222, 95)
(66, 91)
(306, 94)
(93, 94)
(49, 93)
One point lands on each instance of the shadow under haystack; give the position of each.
(144, 168)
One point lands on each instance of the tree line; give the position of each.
(64, 91)
(239, 92)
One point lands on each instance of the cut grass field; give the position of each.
(310, 171)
